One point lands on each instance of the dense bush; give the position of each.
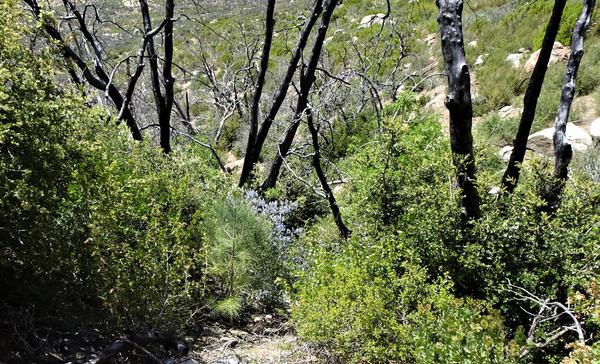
(37, 161)
(498, 84)
(90, 217)
(403, 210)
(366, 309)
(141, 214)
(497, 130)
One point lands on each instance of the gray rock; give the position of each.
(505, 152)
(541, 142)
(559, 53)
(370, 20)
(480, 59)
(515, 59)
(229, 360)
(510, 112)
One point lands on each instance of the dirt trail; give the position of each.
(264, 339)
(238, 347)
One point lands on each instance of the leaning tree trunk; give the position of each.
(511, 175)
(307, 79)
(459, 103)
(563, 152)
(335, 210)
(255, 145)
(260, 82)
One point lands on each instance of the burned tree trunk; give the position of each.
(511, 175)
(169, 81)
(260, 82)
(164, 102)
(98, 78)
(110, 89)
(139, 68)
(255, 145)
(459, 103)
(307, 78)
(335, 210)
(563, 151)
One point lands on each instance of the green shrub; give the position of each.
(242, 262)
(451, 330)
(583, 354)
(569, 17)
(92, 218)
(365, 308)
(588, 77)
(347, 136)
(404, 212)
(401, 177)
(518, 240)
(497, 130)
(589, 163)
(37, 160)
(141, 212)
(368, 300)
(497, 84)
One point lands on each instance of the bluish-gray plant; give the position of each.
(276, 212)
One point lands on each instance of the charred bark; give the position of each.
(511, 175)
(260, 82)
(98, 78)
(163, 102)
(335, 210)
(169, 81)
(307, 78)
(255, 145)
(563, 152)
(140, 65)
(458, 102)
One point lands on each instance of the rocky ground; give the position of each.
(262, 339)
(265, 340)
(238, 348)
(582, 133)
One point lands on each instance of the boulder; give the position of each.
(510, 112)
(472, 44)
(595, 132)
(494, 190)
(437, 98)
(186, 86)
(505, 152)
(541, 142)
(481, 59)
(370, 20)
(514, 59)
(559, 53)
(232, 163)
(228, 360)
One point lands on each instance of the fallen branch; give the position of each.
(548, 311)
(138, 341)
